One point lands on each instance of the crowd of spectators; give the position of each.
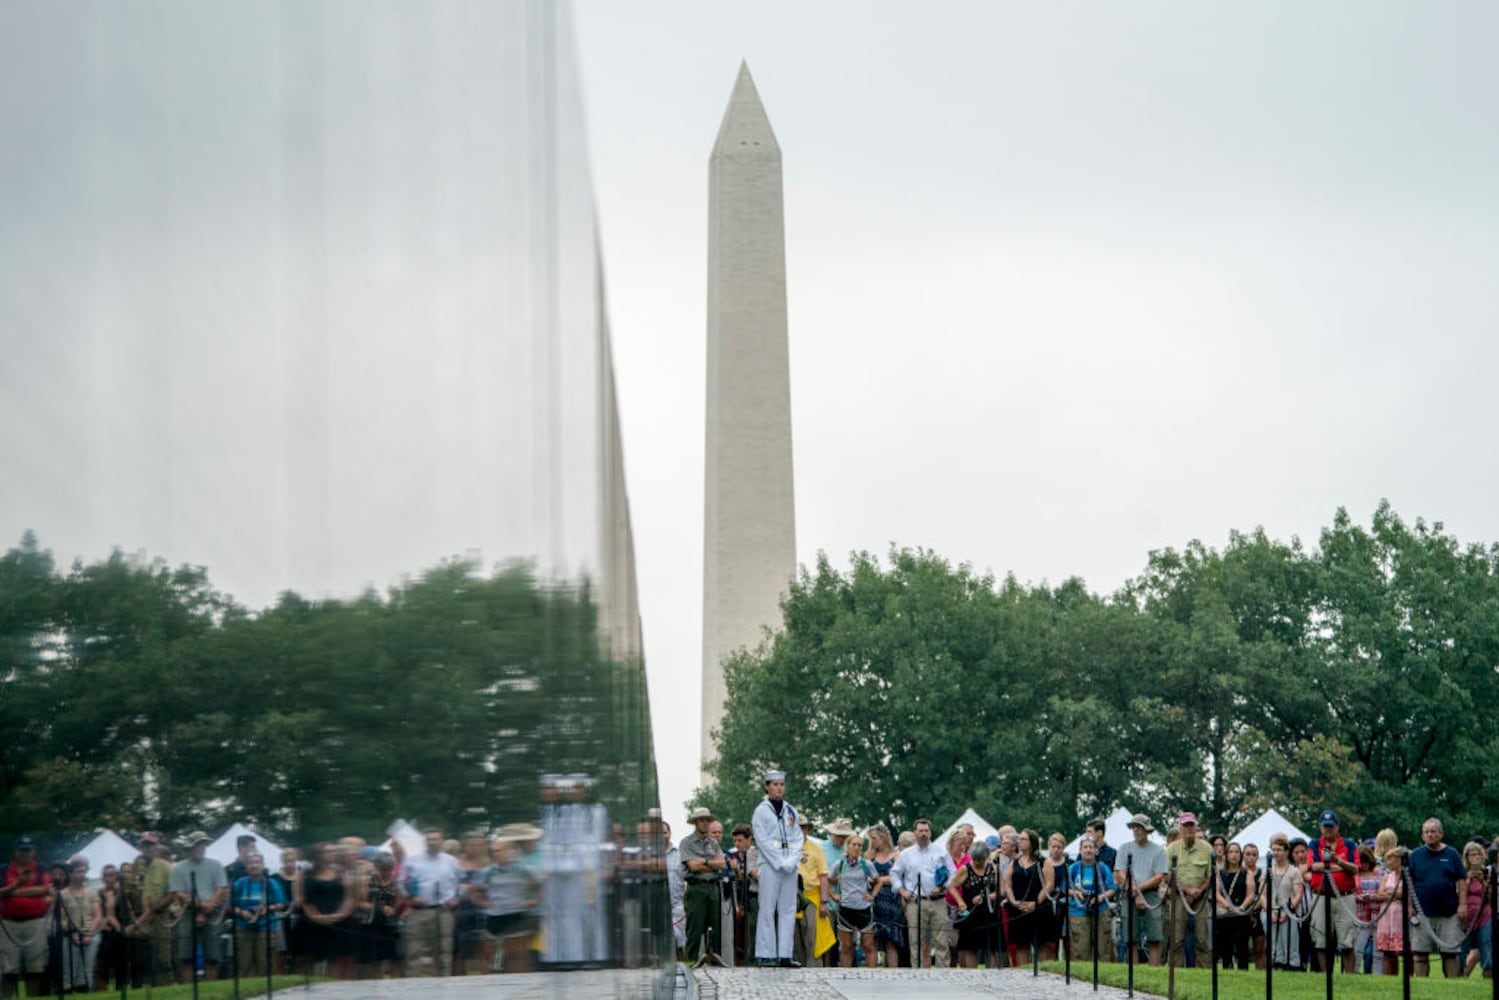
(873, 899)
(345, 911)
(573, 890)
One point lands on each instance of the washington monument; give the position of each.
(749, 525)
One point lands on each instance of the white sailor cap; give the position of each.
(773, 775)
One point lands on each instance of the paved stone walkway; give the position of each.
(726, 984)
(887, 984)
(531, 986)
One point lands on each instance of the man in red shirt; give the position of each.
(1336, 858)
(25, 893)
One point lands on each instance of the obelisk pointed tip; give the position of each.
(745, 126)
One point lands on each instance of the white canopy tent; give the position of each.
(1117, 832)
(1260, 830)
(108, 848)
(410, 837)
(981, 827)
(225, 850)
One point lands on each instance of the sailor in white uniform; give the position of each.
(778, 836)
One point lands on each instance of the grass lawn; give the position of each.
(219, 990)
(1196, 984)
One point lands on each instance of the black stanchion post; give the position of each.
(1270, 925)
(192, 914)
(1405, 924)
(1093, 915)
(1172, 899)
(916, 955)
(1330, 952)
(1064, 933)
(234, 953)
(996, 918)
(1213, 918)
(991, 901)
(1129, 918)
(1035, 924)
(265, 895)
(1493, 908)
(64, 938)
(59, 935)
(235, 904)
(66, 946)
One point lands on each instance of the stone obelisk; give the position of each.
(749, 526)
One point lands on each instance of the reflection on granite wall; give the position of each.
(309, 295)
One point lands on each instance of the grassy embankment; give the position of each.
(1196, 984)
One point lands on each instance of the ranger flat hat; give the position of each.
(518, 833)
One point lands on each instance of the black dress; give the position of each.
(974, 931)
(1231, 933)
(378, 939)
(321, 941)
(1025, 886)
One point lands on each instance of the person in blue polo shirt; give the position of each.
(1439, 899)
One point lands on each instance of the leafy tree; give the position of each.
(1407, 635)
(134, 694)
(1356, 675)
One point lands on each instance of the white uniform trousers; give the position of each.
(777, 924)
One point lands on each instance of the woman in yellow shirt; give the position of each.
(816, 933)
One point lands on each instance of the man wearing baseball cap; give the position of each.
(1192, 859)
(24, 895)
(778, 837)
(202, 888)
(1338, 857)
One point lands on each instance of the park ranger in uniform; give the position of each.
(703, 861)
(778, 837)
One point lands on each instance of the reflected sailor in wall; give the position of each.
(575, 832)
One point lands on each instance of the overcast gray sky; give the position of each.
(1068, 282)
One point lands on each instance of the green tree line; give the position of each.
(134, 695)
(1360, 674)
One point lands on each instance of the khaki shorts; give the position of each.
(1080, 931)
(1150, 924)
(1436, 934)
(210, 938)
(1344, 929)
(23, 946)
